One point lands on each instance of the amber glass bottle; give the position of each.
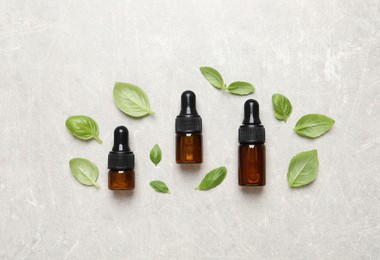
(121, 162)
(188, 127)
(251, 148)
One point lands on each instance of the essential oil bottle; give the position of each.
(121, 162)
(251, 148)
(188, 128)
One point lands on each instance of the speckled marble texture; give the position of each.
(61, 58)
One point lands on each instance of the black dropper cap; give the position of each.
(188, 120)
(121, 157)
(251, 131)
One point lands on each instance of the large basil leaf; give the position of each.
(85, 171)
(213, 179)
(282, 107)
(213, 77)
(83, 127)
(241, 88)
(303, 168)
(313, 125)
(131, 99)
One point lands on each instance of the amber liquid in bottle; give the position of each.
(252, 165)
(121, 180)
(189, 148)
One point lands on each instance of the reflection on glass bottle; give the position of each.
(189, 148)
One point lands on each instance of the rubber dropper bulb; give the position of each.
(188, 104)
(251, 113)
(120, 143)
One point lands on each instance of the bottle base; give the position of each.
(252, 185)
(188, 162)
(112, 188)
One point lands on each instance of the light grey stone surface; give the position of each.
(61, 58)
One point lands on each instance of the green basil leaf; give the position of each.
(84, 171)
(131, 99)
(213, 77)
(155, 154)
(213, 179)
(241, 88)
(159, 186)
(282, 107)
(303, 168)
(83, 127)
(313, 125)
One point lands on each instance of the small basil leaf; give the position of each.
(83, 127)
(282, 107)
(159, 186)
(303, 168)
(213, 179)
(84, 171)
(213, 77)
(241, 88)
(313, 125)
(131, 99)
(155, 154)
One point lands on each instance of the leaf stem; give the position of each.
(98, 139)
(96, 185)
